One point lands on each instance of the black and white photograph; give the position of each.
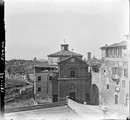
(67, 60)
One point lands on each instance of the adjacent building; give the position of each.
(44, 77)
(110, 74)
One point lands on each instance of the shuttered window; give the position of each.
(126, 72)
(120, 71)
(120, 52)
(117, 70)
(114, 52)
(114, 70)
(123, 83)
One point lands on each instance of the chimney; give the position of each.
(64, 47)
(89, 55)
(35, 59)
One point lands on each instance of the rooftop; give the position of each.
(94, 62)
(64, 52)
(120, 44)
(45, 65)
(70, 58)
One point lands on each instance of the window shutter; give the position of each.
(126, 70)
(120, 71)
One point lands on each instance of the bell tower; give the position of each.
(64, 47)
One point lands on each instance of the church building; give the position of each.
(72, 78)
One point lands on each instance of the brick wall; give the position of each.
(80, 84)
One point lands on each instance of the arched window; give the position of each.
(72, 71)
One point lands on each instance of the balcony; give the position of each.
(117, 88)
(115, 78)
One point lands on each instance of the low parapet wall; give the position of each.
(33, 107)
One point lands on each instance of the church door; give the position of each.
(95, 95)
(72, 95)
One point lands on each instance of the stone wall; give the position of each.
(104, 77)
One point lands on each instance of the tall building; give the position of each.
(45, 76)
(111, 76)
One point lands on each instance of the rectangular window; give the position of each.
(106, 52)
(126, 72)
(117, 82)
(123, 83)
(39, 78)
(115, 52)
(72, 73)
(39, 89)
(50, 77)
(110, 52)
(108, 86)
(114, 70)
(120, 52)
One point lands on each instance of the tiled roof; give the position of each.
(64, 53)
(71, 57)
(94, 62)
(120, 44)
(46, 64)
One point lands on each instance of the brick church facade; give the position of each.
(66, 75)
(74, 80)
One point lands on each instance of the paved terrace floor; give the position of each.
(55, 113)
(92, 112)
(74, 111)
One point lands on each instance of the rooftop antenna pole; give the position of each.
(64, 41)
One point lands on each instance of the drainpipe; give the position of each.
(47, 84)
(128, 44)
(128, 47)
(128, 58)
(35, 87)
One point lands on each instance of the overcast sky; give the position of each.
(36, 28)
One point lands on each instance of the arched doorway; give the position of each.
(95, 95)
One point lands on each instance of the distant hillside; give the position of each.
(23, 62)
(17, 66)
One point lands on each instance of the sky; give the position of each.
(37, 28)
